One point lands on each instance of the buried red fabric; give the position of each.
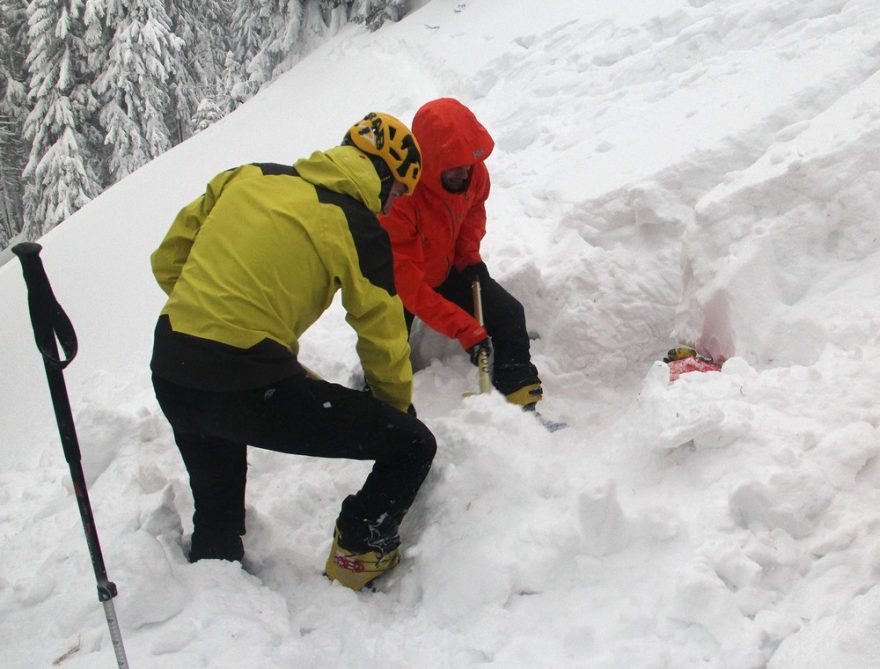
(685, 359)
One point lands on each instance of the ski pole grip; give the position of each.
(47, 317)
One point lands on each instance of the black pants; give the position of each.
(307, 417)
(505, 320)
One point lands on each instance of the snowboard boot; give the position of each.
(358, 570)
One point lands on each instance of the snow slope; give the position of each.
(665, 172)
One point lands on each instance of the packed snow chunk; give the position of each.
(171, 639)
(739, 368)
(603, 523)
(703, 599)
(848, 451)
(783, 561)
(732, 565)
(158, 515)
(101, 432)
(791, 501)
(32, 591)
(152, 593)
(746, 578)
(450, 574)
(849, 639)
(693, 410)
(115, 415)
(832, 582)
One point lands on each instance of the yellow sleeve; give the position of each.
(382, 346)
(168, 260)
(365, 270)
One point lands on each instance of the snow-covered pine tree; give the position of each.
(204, 27)
(13, 105)
(134, 85)
(182, 83)
(207, 114)
(373, 13)
(268, 29)
(212, 31)
(58, 179)
(247, 25)
(235, 86)
(111, 84)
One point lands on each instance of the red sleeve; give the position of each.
(473, 228)
(417, 296)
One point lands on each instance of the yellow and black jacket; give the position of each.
(253, 262)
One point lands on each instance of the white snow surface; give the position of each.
(666, 172)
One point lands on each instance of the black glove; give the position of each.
(476, 271)
(475, 350)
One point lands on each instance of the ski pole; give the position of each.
(483, 357)
(50, 323)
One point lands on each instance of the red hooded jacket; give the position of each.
(434, 230)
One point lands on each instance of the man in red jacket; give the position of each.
(436, 235)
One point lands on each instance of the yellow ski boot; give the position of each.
(358, 570)
(527, 396)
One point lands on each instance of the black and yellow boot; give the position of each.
(527, 396)
(519, 383)
(358, 570)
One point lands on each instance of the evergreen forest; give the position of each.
(91, 90)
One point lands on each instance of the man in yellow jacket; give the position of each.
(248, 267)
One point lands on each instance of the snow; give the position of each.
(669, 172)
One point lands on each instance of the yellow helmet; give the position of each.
(385, 136)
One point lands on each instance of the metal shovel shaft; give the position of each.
(483, 358)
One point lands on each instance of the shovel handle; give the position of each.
(483, 358)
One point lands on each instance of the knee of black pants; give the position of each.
(503, 312)
(400, 469)
(428, 447)
(425, 449)
(414, 447)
